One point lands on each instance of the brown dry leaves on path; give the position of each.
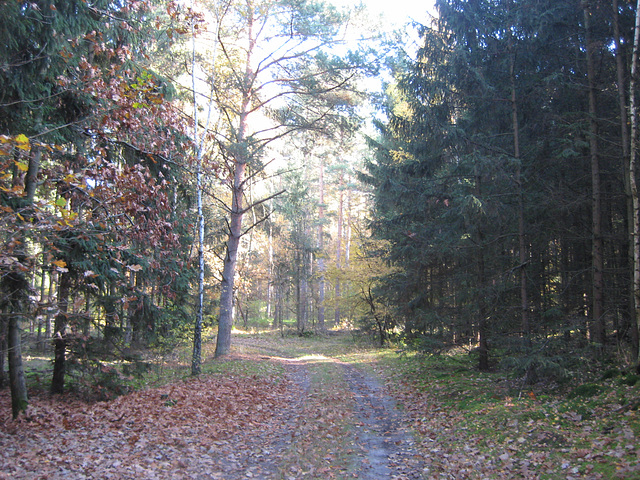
(322, 419)
(184, 430)
(274, 411)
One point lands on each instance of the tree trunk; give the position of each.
(240, 160)
(17, 286)
(626, 144)
(522, 243)
(339, 250)
(597, 262)
(633, 172)
(225, 321)
(19, 398)
(4, 326)
(196, 359)
(483, 344)
(59, 335)
(321, 265)
(270, 274)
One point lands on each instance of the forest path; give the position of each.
(343, 423)
(274, 409)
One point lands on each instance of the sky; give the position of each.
(396, 12)
(399, 12)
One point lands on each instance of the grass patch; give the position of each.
(463, 415)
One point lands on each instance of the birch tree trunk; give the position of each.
(4, 326)
(339, 249)
(270, 278)
(196, 358)
(321, 264)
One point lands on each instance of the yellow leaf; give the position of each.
(22, 142)
(22, 166)
(60, 263)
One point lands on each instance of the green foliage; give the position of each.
(479, 178)
(586, 390)
(630, 379)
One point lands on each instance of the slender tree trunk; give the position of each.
(633, 172)
(522, 243)
(59, 335)
(597, 261)
(17, 287)
(339, 249)
(196, 359)
(321, 264)
(4, 327)
(346, 286)
(19, 398)
(302, 295)
(482, 284)
(270, 278)
(626, 144)
(347, 231)
(483, 344)
(51, 293)
(41, 302)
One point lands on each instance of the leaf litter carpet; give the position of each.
(305, 425)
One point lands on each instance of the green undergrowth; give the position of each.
(586, 428)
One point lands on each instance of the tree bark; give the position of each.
(59, 335)
(19, 398)
(17, 287)
(270, 274)
(4, 326)
(626, 145)
(240, 160)
(225, 321)
(339, 249)
(633, 172)
(321, 264)
(597, 262)
(483, 343)
(522, 242)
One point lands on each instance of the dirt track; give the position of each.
(324, 419)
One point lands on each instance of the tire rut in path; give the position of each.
(384, 448)
(382, 431)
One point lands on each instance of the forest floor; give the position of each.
(325, 408)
